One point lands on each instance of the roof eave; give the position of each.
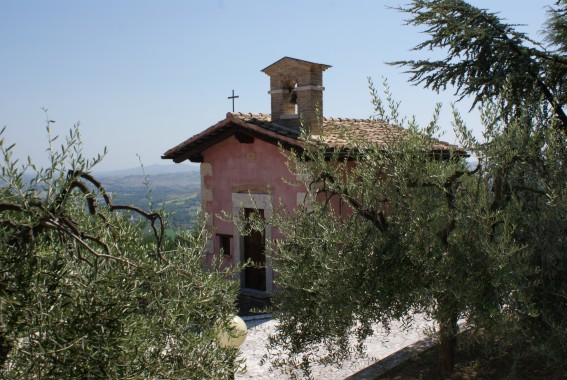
(222, 130)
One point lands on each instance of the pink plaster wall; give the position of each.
(236, 164)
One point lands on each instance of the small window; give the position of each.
(224, 244)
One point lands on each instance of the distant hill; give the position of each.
(155, 169)
(176, 188)
(178, 193)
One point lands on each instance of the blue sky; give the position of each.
(142, 76)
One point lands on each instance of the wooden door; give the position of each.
(255, 250)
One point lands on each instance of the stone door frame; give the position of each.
(260, 202)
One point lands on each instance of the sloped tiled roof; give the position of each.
(265, 121)
(336, 134)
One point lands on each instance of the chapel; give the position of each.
(243, 168)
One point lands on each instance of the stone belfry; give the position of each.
(296, 88)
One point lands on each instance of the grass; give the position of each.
(471, 362)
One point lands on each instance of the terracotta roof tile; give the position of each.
(265, 121)
(337, 132)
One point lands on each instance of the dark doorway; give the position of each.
(255, 250)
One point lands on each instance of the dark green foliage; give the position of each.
(484, 56)
(86, 292)
(521, 87)
(526, 171)
(393, 234)
(556, 27)
(424, 234)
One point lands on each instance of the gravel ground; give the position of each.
(379, 346)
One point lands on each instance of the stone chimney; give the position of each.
(296, 87)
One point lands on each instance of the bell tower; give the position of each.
(296, 88)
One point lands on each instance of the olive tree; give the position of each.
(425, 233)
(89, 288)
(521, 86)
(398, 230)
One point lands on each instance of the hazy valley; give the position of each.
(175, 188)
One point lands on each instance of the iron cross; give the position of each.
(233, 97)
